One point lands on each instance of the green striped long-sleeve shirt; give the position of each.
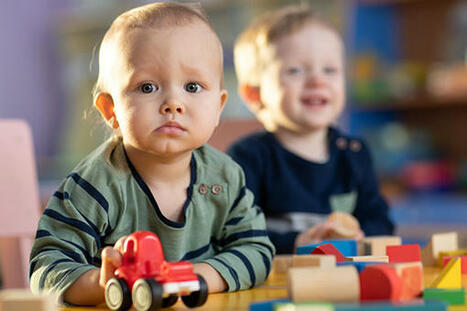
(104, 198)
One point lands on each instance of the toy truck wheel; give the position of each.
(169, 301)
(117, 295)
(147, 295)
(198, 298)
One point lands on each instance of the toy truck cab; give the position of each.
(153, 282)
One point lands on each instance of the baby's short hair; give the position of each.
(263, 32)
(161, 14)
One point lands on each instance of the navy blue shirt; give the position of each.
(296, 193)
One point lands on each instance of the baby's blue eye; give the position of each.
(148, 88)
(192, 87)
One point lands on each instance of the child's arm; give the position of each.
(68, 241)
(372, 211)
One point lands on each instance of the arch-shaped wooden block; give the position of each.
(380, 282)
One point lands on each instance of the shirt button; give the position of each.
(355, 146)
(341, 143)
(203, 189)
(216, 189)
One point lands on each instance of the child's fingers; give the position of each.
(111, 260)
(119, 244)
(323, 229)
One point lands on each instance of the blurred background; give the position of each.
(407, 90)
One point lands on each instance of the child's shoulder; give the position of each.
(214, 163)
(257, 142)
(355, 145)
(102, 166)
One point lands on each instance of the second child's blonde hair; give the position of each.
(265, 31)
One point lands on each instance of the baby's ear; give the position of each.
(251, 96)
(105, 104)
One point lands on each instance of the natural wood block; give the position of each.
(328, 249)
(438, 243)
(463, 259)
(281, 263)
(450, 276)
(376, 245)
(322, 261)
(380, 282)
(346, 225)
(403, 253)
(411, 275)
(451, 296)
(339, 284)
(369, 258)
(25, 300)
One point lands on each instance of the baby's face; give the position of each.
(166, 88)
(303, 86)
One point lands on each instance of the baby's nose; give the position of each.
(173, 107)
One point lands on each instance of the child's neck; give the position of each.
(155, 170)
(168, 179)
(312, 146)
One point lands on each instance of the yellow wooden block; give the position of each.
(450, 276)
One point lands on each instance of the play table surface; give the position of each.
(273, 288)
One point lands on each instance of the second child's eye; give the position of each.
(330, 70)
(294, 70)
(192, 87)
(148, 88)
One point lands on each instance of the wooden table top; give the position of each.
(273, 288)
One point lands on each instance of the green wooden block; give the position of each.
(454, 296)
(414, 305)
(306, 306)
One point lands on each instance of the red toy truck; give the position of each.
(149, 282)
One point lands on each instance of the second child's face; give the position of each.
(166, 88)
(303, 87)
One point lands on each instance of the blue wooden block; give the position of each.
(266, 305)
(414, 305)
(348, 248)
(360, 265)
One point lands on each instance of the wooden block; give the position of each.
(463, 259)
(347, 247)
(339, 284)
(266, 305)
(328, 249)
(281, 263)
(451, 296)
(370, 258)
(403, 253)
(411, 275)
(450, 276)
(414, 305)
(376, 245)
(458, 252)
(25, 300)
(380, 282)
(322, 261)
(346, 226)
(360, 265)
(309, 306)
(438, 242)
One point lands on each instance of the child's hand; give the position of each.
(315, 234)
(111, 260)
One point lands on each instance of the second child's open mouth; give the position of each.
(314, 102)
